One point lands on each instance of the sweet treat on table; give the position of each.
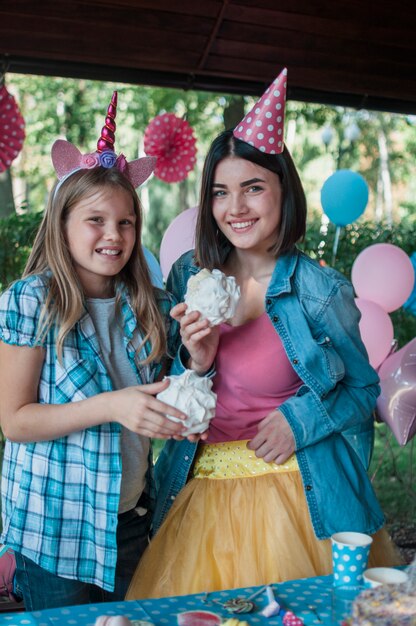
(233, 621)
(112, 620)
(272, 609)
(191, 394)
(238, 605)
(213, 294)
(385, 605)
(290, 619)
(198, 618)
(119, 620)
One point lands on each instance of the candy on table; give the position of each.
(273, 607)
(290, 619)
(119, 620)
(112, 620)
(198, 618)
(233, 621)
(238, 605)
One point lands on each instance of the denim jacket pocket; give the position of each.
(334, 363)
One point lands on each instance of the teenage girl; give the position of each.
(284, 464)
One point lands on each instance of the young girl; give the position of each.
(284, 464)
(84, 340)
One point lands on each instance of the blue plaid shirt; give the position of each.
(60, 498)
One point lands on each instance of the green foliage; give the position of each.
(17, 233)
(392, 474)
(354, 238)
(56, 107)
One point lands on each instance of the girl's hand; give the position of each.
(138, 410)
(274, 440)
(198, 337)
(24, 419)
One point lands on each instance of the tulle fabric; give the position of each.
(223, 533)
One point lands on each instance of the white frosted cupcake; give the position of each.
(213, 294)
(191, 394)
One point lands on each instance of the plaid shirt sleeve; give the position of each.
(20, 308)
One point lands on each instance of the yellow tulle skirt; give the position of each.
(238, 522)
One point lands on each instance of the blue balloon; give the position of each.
(156, 275)
(410, 304)
(344, 196)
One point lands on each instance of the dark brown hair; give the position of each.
(211, 245)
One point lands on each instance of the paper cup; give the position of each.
(376, 576)
(350, 552)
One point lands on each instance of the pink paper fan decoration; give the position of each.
(171, 140)
(12, 132)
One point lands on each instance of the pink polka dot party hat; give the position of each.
(263, 126)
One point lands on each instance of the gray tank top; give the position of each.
(134, 448)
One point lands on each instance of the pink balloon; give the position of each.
(376, 329)
(178, 238)
(396, 405)
(384, 274)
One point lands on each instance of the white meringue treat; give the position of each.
(191, 394)
(112, 620)
(213, 294)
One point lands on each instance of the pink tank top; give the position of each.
(254, 376)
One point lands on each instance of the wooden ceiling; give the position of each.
(359, 53)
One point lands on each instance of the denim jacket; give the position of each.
(312, 309)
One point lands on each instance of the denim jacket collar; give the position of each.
(282, 274)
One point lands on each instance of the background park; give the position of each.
(322, 139)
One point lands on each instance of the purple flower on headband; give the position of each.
(121, 163)
(89, 161)
(108, 158)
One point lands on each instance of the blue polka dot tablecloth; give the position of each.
(309, 598)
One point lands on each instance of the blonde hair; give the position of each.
(64, 304)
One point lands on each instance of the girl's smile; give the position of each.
(246, 203)
(101, 234)
(242, 225)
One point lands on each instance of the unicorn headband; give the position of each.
(263, 126)
(67, 159)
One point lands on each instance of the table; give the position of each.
(296, 595)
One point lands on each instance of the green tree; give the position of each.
(6, 194)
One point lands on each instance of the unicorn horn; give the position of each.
(107, 139)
